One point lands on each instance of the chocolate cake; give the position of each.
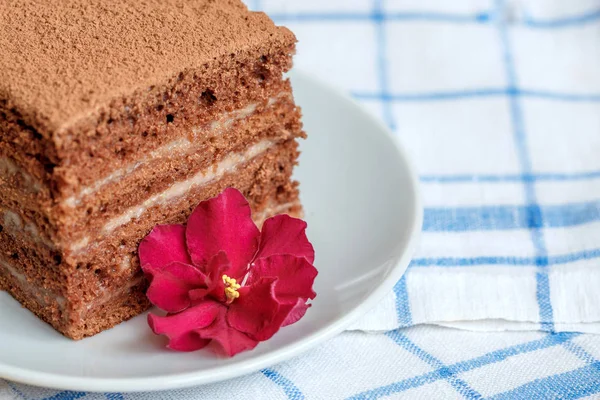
(118, 115)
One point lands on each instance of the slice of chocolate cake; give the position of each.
(118, 115)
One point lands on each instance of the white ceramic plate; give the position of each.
(364, 215)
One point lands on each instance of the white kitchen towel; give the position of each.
(499, 104)
(423, 362)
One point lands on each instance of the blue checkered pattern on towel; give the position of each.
(499, 103)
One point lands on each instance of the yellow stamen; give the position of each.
(231, 288)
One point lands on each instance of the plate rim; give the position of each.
(251, 365)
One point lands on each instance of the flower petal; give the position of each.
(189, 341)
(295, 276)
(255, 308)
(298, 311)
(283, 234)
(287, 315)
(170, 285)
(163, 245)
(215, 288)
(223, 223)
(181, 328)
(229, 340)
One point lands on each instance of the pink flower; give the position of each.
(220, 279)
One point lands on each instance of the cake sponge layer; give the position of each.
(63, 62)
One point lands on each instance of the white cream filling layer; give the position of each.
(38, 293)
(272, 210)
(23, 229)
(180, 147)
(44, 297)
(8, 168)
(108, 296)
(228, 165)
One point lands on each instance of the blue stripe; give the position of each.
(403, 303)
(445, 95)
(388, 16)
(66, 396)
(534, 212)
(461, 386)
(291, 391)
(16, 390)
(540, 177)
(322, 17)
(477, 219)
(493, 357)
(382, 65)
(576, 20)
(114, 396)
(517, 261)
(463, 219)
(580, 352)
(478, 93)
(575, 384)
(569, 258)
(542, 292)
(548, 95)
(480, 18)
(471, 262)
